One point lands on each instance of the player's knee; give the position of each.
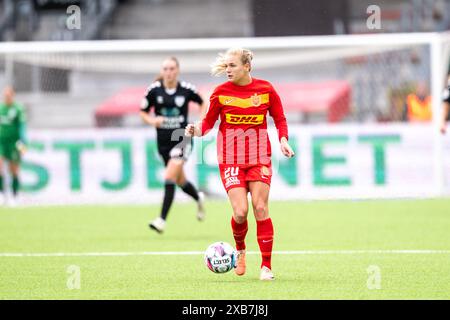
(172, 179)
(181, 181)
(240, 214)
(170, 176)
(260, 210)
(14, 171)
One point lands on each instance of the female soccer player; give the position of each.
(12, 141)
(170, 99)
(243, 147)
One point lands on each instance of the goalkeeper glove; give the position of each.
(21, 146)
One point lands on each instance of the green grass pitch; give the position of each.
(340, 244)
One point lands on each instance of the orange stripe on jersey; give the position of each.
(244, 119)
(253, 101)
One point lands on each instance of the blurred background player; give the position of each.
(244, 148)
(12, 141)
(170, 99)
(446, 106)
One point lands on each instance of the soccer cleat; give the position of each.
(201, 207)
(266, 274)
(240, 263)
(158, 225)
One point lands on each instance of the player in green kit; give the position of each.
(12, 141)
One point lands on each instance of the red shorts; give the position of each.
(234, 176)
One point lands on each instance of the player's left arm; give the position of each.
(277, 113)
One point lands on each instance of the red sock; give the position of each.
(239, 232)
(264, 231)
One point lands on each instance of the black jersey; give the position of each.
(446, 95)
(172, 105)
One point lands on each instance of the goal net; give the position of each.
(323, 79)
(347, 92)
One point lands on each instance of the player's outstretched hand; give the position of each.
(286, 148)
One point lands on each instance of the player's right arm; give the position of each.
(155, 121)
(277, 113)
(21, 145)
(146, 105)
(203, 127)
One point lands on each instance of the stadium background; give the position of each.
(344, 87)
(352, 95)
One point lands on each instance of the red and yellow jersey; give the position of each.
(242, 137)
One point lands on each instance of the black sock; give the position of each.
(15, 185)
(190, 190)
(1, 183)
(169, 194)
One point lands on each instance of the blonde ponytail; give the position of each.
(219, 66)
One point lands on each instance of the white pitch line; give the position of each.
(176, 253)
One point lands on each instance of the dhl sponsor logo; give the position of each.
(253, 101)
(244, 119)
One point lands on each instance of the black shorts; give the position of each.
(175, 150)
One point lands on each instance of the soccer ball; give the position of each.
(220, 257)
